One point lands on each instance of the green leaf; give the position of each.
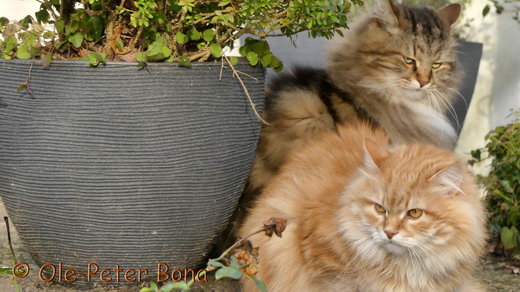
(71, 28)
(276, 64)
(165, 52)
(233, 60)
(6, 271)
(146, 289)
(252, 57)
(195, 35)
(476, 154)
(514, 214)
(48, 34)
(98, 26)
(42, 16)
(62, 44)
(486, 10)
(119, 44)
(234, 263)
(223, 3)
(507, 236)
(243, 50)
(46, 60)
(103, 57)
(141, 58)
(216, 50)
(76, 39)
(260, 284)
(178, 285)
(208, 35)
(6, 57)
(60, 26)
(215, 263)
(93, 59)
(23, 53)
(266, 59)
(26, 21)
(228, 272)
(260, 47)
(185, 64)
(4, 20)
(181, 38)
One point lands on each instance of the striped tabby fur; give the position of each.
(368, 78)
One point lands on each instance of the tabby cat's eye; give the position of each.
(380, 209)
(409, 61)
(415, 213)
(436, 65)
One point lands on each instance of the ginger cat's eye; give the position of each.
(380, 209)
(409, 61)
(436, 65)
(415, 213)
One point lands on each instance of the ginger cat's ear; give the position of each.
(449, 177)
(374, 154)
(450, 12)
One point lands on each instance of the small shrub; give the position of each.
(165, 30)
(503, 183)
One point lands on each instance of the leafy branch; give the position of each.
(502, 183)
(165, 30)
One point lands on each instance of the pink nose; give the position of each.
(390, 234)
(423, 82)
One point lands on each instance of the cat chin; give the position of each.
(395, 248)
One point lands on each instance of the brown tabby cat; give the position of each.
(396, 68)
(364, 218)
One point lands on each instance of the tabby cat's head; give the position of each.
(418, 205)
(399, 48)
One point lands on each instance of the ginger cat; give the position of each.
(366, 217)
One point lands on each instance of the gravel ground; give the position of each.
(491, 273)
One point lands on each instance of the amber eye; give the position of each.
(415, 213)
(409, 61)
(380, 209)
(436, 65)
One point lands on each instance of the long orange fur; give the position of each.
(335, 240)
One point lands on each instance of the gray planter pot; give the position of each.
(120, 166)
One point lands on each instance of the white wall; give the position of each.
(498, 83)
(17, 9)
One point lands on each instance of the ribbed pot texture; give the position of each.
(118, 165)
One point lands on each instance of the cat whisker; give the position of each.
(436, 106)
(456, 92)
(445, 101)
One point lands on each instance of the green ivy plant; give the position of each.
(503, 183)
(180, 31)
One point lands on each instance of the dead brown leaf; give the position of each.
(275, 225)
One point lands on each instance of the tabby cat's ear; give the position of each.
(450, 12)
(449, 177)
(388, 11)
(374, 154)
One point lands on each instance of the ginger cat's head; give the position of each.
(418, 204)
